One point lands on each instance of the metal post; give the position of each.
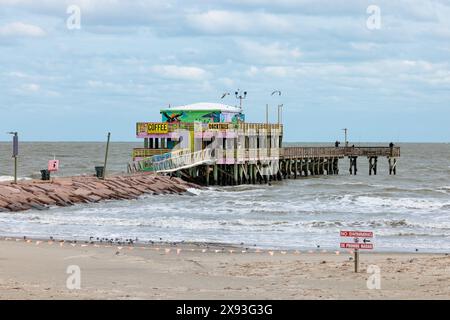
(280, 114)
(106, 155)
(278, 121)
(345, 132)
(356, 260)
(15, 152)
(15, 169)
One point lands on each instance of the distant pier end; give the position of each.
(211, 143)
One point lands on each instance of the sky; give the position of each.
(383, 72)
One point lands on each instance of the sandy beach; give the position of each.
(31, 269)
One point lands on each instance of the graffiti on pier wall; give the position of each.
(201, 116)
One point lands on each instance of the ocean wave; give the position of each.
(11, 178)
(396, 203)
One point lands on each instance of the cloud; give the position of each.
(20, 29)
(179, 72)
(235, 22)
(271, 53)
(30, 88)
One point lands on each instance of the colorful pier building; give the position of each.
(211, 143)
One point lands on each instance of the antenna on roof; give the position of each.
(241, 96)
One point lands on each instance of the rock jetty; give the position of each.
(66, 191)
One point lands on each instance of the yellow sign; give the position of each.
(218, 126)
(157, 127)
(152, 128)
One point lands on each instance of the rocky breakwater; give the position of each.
(66, 191)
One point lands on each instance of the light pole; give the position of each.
(241, 96)
(278, 92)
(15, 152)
(280, 113)
(345, 133)
(106, 155)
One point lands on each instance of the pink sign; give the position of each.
(362, 234)
(53, 165)
(352, 245)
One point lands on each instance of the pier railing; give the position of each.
(146, 152)
(184, 158)
(315, 152)
(183, 161)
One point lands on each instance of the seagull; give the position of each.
(276, 91)
(224, 95)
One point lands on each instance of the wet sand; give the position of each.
(37, 270)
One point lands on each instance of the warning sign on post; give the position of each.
(357, 240)
(53, 165)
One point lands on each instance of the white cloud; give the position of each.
(20, 29)
(271, 53)
(180, 72)
(230, 22)
(30, 87)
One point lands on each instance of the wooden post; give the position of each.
(106, 155)
(289, 165)
(336, 165)
(215, 174)
(207, 174)
(356, 260)
(295, 168)
(353, 167)
(375, 165)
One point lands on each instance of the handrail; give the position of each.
(305, 152)
(183, 158)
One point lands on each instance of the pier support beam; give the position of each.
(353, 166)
(295, 168)
(207, 174)
(392, 165)
(215, 174)
(336, 165)
(373, 165)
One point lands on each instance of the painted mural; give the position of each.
(200, 116)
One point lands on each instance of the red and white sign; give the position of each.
(357, 240)
(53, 165)
(353, 245)
(358, 234)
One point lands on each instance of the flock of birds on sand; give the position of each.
(131, 241)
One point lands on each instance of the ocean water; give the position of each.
(406, 212)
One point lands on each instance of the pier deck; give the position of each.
(341, 152)
(230, 167)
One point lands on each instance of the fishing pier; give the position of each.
(211, 144)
